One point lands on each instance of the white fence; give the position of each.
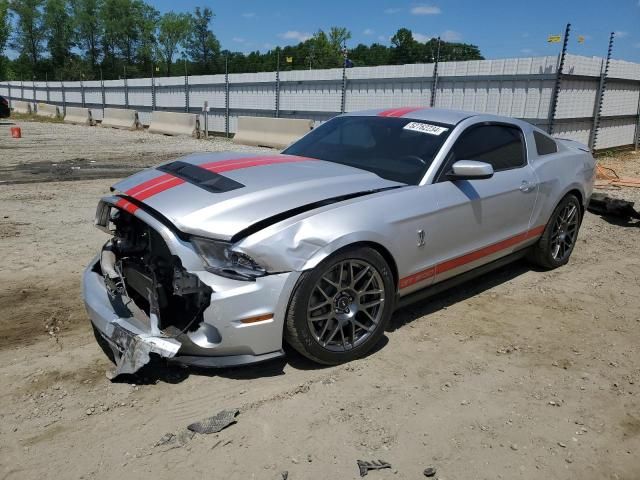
(517, 87)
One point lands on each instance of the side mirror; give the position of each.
(470, 170)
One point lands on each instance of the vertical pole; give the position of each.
(226, 96)
(343, 95)
(21, 89)
(205, 115)
(597, 108)
(638, 125)
(556, 87)
(434, 82)
(82, 92)
(153, 89)
(186, 87)
(10, 98)
(33, 85)
(126, 89)
(64, 97)
(102, 92)
(277, 114)
(46, 83)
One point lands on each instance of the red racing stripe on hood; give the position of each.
(166, 181)
(399, 112)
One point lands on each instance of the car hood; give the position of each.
(218, 195)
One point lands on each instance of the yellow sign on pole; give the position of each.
(289, 59)
(554, 38)
(580, 38)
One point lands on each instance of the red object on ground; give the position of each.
(16, 132)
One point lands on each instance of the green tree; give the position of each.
(173, 31)
(5, 32)
(29, 31)
(59, 32)
(405, 48)
(89, 28)
(201, 45)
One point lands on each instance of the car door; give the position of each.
(479, 221)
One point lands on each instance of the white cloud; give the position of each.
(295, 35)
(451, 36)
(421, 37)
(368, 31)
(249, 15)
(239, 39)
(391, 11)
(382, 38)
(621, 33)
(426, 10)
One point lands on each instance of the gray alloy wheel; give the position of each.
(340, 309)
(346, 305)
(565, 231)
(554, 247)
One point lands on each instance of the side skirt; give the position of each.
(440, 287)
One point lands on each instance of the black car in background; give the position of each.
(5, 111)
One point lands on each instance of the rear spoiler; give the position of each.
(573, 144)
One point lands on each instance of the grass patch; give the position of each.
(30, 117)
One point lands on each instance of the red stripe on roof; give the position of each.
(399, 112)
(469, 257)
(126, 205)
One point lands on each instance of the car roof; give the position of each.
(440, 115)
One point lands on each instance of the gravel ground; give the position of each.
(518, 374)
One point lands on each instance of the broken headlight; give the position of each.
(222, 260)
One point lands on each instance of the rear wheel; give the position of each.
(339, 310)
(559, 237)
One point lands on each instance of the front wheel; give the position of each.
(339, 310)
(559, 237)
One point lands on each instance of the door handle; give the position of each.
(527, 186)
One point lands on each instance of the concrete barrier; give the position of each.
(47, 110)
(120, 118)
(20, 106)
(170, 123)
(270, 132)
(79, 116)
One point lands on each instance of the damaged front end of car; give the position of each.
(193, 300)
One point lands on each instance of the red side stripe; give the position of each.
(399, 112)
(127, 206)
(469, 257)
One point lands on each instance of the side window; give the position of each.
(544, 145)
(499, 145)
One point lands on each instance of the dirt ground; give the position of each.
(519, 374)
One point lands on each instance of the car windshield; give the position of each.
(397, 149)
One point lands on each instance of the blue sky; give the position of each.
(501, 28)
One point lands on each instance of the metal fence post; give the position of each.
(64, 97)
(33, 85)
(10, 100)
(434, 82)
(556, 87)
(21, 90)
(82, 93)
(153, 89)
(343, 96)
(597, 108)
(186, 88)
(46, 83)
(102, 92)
(126, 89)
(277, 112)
(226, 96)
(638, 123)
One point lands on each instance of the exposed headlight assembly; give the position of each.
(222, 260)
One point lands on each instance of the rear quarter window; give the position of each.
(544, 145)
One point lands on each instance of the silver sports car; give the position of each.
(217, 259)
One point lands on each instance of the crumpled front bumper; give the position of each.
(221, 340)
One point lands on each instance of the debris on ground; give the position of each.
(429, 471)
(606, 206)
(172, 440)
(216, 423)
(373, 465)
(285, 475)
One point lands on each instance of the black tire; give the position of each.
(542, 253)
(297, 331)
